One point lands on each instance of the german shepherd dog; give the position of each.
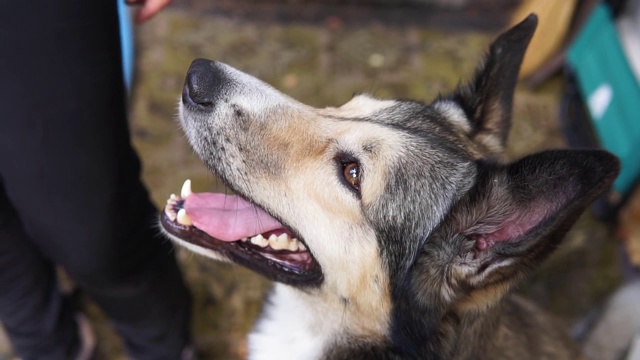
(392, 228)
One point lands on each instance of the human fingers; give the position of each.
(149, 9)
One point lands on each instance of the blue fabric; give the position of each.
(127, 44)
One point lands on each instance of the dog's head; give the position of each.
(392, 203)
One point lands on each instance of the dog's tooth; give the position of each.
(301, 246)
(277, 245)
(292, 245)
(258, 237)
(278, 242)
(170, 212)
(173, 199)
(244, 239)
(186, 189)
(183, 218)
(284, 237)
(259, 240)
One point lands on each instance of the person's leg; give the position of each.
(72, 175)
(38, 320)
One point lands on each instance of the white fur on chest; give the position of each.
(290, 329)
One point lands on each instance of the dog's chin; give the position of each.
(295, 267)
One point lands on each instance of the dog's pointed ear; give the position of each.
(486, 102)
(517, 214)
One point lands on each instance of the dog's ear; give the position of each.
(515, 216)
(486, 102)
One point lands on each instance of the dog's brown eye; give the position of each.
(351, 173)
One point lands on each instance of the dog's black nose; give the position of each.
(201, 84)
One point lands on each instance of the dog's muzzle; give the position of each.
(203, 84)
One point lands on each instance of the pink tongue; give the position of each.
(228, 217)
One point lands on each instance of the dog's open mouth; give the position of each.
(242, 232)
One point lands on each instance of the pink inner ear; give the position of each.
(514, 226)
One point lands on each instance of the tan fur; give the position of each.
(331, 219)
(416, 262)
(483, 299)
(359, 106)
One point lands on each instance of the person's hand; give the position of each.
(148, 8)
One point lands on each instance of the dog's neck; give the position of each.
(464, 336)
(498, 332)
(305, 325)
(298, 325)
(439, 330)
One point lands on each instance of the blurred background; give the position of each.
(322, 52)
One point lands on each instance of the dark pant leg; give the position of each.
(38, 320)
(70, 171)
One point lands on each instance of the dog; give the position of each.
(393, 229)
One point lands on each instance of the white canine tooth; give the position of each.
(186, 189)
(183, 218)
(273, 238)
(244, 239)
(173, 196)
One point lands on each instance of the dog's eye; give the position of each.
(351, 173)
